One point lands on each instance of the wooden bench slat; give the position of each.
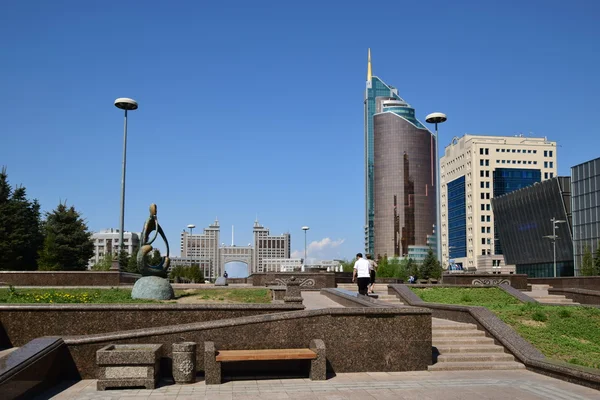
(265, 354)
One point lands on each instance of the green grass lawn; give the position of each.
(570, 334)
(117, 295)
(59, 296)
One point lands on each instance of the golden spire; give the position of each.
(369, 73)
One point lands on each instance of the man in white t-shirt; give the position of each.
(361, 274)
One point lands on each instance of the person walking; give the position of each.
(372, 272)
(361, 275)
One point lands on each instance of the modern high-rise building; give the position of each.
(399, 174)
(203, 248)
(475, 169)
(585, 191)
(269, 246)
(375, 88)
(524, 222)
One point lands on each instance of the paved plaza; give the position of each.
(475, 385)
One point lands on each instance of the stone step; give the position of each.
(470, 333)
(455, 327)
(472, 366)
(470, 348)
(461, 341)
(540, 287)
(475, 357)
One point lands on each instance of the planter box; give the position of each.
(128, 365)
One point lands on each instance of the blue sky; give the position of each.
(256, 108)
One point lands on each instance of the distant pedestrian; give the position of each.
(411, 279)
(372, 272)
(225, 275)
(361, 274)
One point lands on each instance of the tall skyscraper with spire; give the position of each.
(400, 185)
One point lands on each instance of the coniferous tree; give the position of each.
(587, 262)
(132, 262)
(20, 231)
(430, 268)
(412, 268)
(68, 245)
(123, 259)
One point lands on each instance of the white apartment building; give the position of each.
(107, 242)
(473, 170)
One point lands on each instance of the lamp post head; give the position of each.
(559, 221)
(436, 118)
(191, 226)
(126, 104)
(305, 228)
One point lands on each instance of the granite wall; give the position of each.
(569, 282)
(356, 339)
(581, 296)
(307, 280)
(21, 323)
(67, 278)
(518, 281)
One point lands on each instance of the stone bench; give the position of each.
(213, 359)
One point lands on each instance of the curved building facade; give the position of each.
(404, 185)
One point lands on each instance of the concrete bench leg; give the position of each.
(318, 366)
(212, 368)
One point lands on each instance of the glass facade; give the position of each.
(457, 218)
(507, 180)
(585, 181)
(375, 88)
(404, 185)
(524, 225)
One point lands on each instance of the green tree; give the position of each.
(155, 257)
(20, 228)
(348, 266)
(68, 244)
(104, 264)
(132, 262)
(123, 259)
(597, 260)
(194, 274)
(412, 268)
(587, 263)
(430, 267)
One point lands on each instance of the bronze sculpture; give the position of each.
(152, 225)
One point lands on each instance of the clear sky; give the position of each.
(256, 107)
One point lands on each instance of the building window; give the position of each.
(487, 163)
(551, 164)
(481, 173)
(487, 185)
(482, 229)
(483, 207)
(545, 153)
(551, 174)
(483, 252)
(497, 150)
(487, 174)
(488, 218)
(481, 184)
(482, 196)
(482, 240)
(481, 151)
(534, 151)
(545, 175)
(545, 164)
(550, 153)
(487, 208)
(483, 218)
(481, 163)
(488, 229)
(487, 196)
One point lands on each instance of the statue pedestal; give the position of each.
(152, 288)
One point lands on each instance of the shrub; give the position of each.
(564, 313)
(539, 316)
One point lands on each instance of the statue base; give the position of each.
(152, 288)
(221, 281)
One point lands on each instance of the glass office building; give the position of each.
(585, 181)
(524, 225)
(404, 186)
(375, 88)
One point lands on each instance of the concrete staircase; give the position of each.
(463, 347)
(540, 293)
(379, 295)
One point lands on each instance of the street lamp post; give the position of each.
(437, 118)
(553, 237)
(305, 228)
(126, 104)
(191, 227)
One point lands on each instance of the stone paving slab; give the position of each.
(522, 385)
